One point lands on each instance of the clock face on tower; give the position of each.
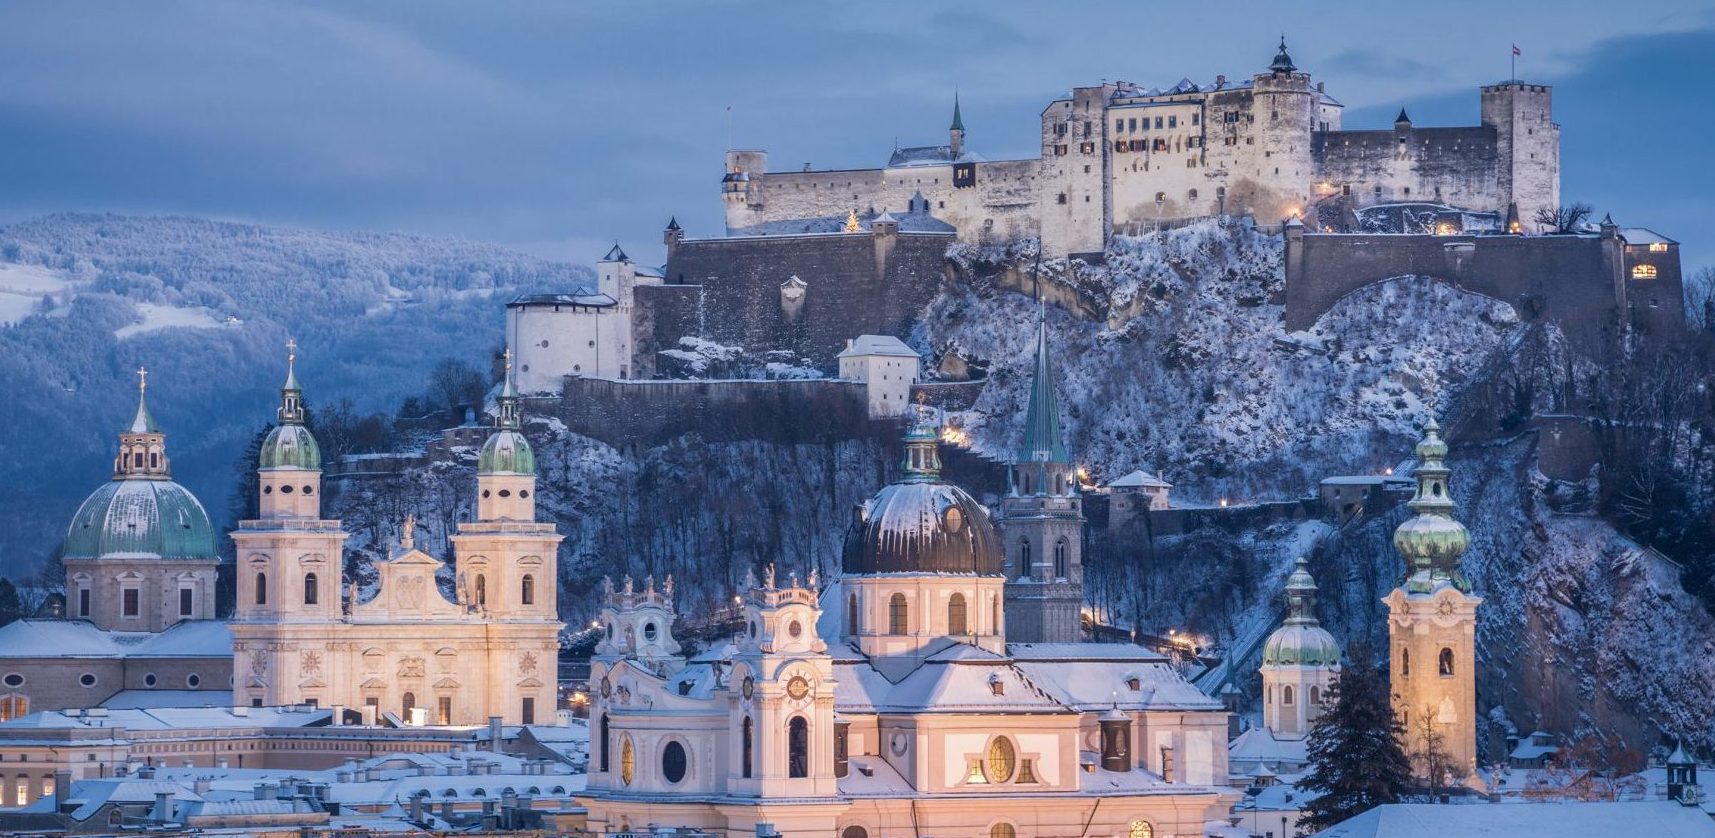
(606, 687)
(797, 687)
(1445, 608)
(749, 686)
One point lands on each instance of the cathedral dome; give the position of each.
(506, 452)
(923, 528)
(290, 446)
(140, 518)
(1303, 645)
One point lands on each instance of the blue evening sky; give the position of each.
(557, 127)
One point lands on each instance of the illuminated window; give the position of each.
(1140, 829)
(1002, 759)
(1643, 272)
(627, 761)
(1658, 247)
(13, 706)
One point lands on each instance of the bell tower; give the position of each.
(1299, 661)
(782, 712)
(1042, 521)
(1432, 622)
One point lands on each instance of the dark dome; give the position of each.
(923, 527)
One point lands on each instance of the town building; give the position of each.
(584, 332)
(887, 368)
(1119, 157)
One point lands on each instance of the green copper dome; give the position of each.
(506, 452)
(1432, 540)
(290, 446)
(1301, 645)
(140, 518)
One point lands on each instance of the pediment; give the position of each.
(374, 684)
(530, 682)
(414, 557)
(255, 681)
(447, 684)
(312, 682)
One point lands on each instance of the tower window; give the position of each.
(527, 590)
(130, 600)
(1023, 557)
(1286, 696)
(1643, 272)
(603, 744)
(261, 589)
(956, 614)
(83, 602)
(527, 710)
(1060, 559)
(852, 615)
(1405, 663)
(797, 748)
(627, 760)
(749, 747)
(898, 615)
(1446, 664)
(187, 601)
(1315, 695)
(311, 595)
(481, 590)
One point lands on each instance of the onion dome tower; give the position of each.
(506, 466)
(140, 555)
(1432, 623)
(922, 563)
(1282, 60)
(1299, 661)
(289, 464)
(1042, 520)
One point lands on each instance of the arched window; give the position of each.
(1446, 663)
(1405, 663)
(1060, 559)
(1023, 557)
(627, 760)
(798, 747)
(749, 746)
(1002, 830)
(898, 617)
(956, 615)
(408, 701)
(1315, 695)
(310, 593)
(261, 589)
(851, 615)
(481, 589)
(602, 746)
(527, 590)
(1286, 695)
(12, 706)
(1140, 829)
(854, 832)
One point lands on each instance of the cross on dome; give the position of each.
(142, 379)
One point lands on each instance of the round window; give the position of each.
(285, 490)
(795, 629)
(267, 490)
(13, 679)
(524, 493)
(544, 344)
(673, 762)
(955, 519)
(149, 680)
(193, 680)
(749, 686)
(87, 679)
(649, 631)
(309, 490)
(506, 493)
(485, 493)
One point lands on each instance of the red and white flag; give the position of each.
(1515, 50)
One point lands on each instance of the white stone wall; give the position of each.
(887, 379)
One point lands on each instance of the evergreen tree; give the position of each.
(1355, 755)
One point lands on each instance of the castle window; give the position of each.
(1196, 118)
(1405, 663)
(527, 590)
(898, 615)
(1158, 122)
(749, 747)
(1061, 199)
(1446, 663)
(1345, 189)
(956, 614)
(797, 748)
(1134, 123)
(852, 615)
(83, 602)
(1086, 128)
(1192, 195)
(130, 605)
(1060, 559)
(1643, 272)
(1023, 557)
(310, 592)
(1119, 125)
(1173, 122)
(1658, 247)
(408, 702)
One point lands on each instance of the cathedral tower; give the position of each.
(782, 715)
(1299, 661)
(139, 555)
(1042, 522)
(1432, 621)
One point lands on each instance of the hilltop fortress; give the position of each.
(1116, 157)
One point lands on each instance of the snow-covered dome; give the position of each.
(140, 518)
(290, 446)
(506, 452)
(921, 524)
(1301, 641)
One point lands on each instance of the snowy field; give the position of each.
(155, 317)
(23, 286)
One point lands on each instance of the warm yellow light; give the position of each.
(1643, 272)
(1658, 247)
(1223, 503)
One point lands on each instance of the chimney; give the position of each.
(494, 734)
(163, 811)
(1116, 740)
(62, 789)
(419, 809)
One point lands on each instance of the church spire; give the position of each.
(1042, 442)
(291, 410)
(143, 422)
(142, 445)
(1431, 540)
(507, 416)
(958, 119)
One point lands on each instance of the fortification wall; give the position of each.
(1458, 166)
(631, 414)
(730, 291)
(1574, 279)
(999, 207)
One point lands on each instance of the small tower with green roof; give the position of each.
(506, 466)
(1432, 621)
(289, 464)
(1299, 661)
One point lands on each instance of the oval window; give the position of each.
(627, 761)
(149, 680)
(673, 762)
(955, 519)
(795, 629)
(87, 679)
(13, 679)
(309, 490)
(649, 631)
(1001, 759)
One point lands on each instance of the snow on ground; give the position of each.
(22, 288)
(155, 317)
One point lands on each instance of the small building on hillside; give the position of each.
(1151, 488)
(886, 366)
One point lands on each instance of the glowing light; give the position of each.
(1658, 247)
(1223, 503)
(954, 435)
(1388, 471)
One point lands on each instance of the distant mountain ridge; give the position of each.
(207, 307)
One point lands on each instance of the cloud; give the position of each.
(1366, 62)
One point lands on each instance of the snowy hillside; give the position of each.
(207, 307)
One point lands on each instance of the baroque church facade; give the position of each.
(897, 699)
(408, 651)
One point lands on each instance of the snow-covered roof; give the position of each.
(1140, 479)
(1644, 235)
(929, 155)
(80, 639)
(585, 298)
(877, 345)
(150, 699)
(1260, 745)
(170, 718)
(1089, 683)
(1525, 820)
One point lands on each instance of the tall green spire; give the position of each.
(958, 120)
(1042, 441)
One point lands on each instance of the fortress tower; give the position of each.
(1527, 145)
(1432, 622)
(1042, 522)
(1284, 112)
